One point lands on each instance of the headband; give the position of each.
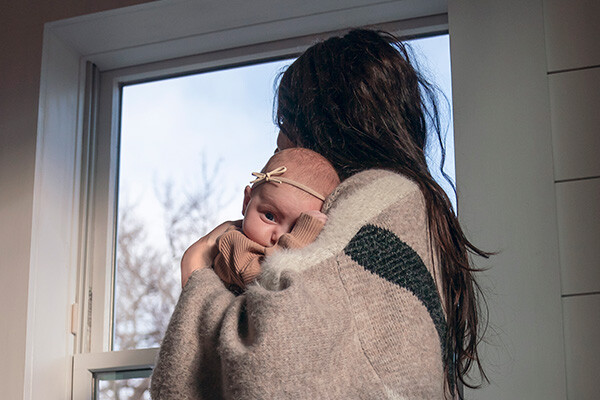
(275, 177)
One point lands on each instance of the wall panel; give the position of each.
(582, 330)
(572, 29)
(574, 99)
(507, 203)
(572, 33)
(578, 209)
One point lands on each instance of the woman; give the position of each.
(383, 303)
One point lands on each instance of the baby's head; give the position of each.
(270, 208)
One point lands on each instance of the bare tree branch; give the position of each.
(147, 277)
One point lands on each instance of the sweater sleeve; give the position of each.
(238, 260)
(260, 344)
(219, 346)
(305, 231)
(188, 365)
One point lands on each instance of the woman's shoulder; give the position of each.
(378, 206)
(370, 191)
(379, 198)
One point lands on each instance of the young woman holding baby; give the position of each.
(383, 304)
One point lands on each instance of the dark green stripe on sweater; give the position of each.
(381, 252)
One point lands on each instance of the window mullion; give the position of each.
(98, 285)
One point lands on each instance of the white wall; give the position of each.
(573, 54)
(21, 27)
(504, 171)
(526, 92)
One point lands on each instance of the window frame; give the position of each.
(68, 127)
(105, 185)
(104, 191)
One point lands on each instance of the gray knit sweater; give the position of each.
(354, 315)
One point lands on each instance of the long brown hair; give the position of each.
(358, 101)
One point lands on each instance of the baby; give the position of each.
(282, 209)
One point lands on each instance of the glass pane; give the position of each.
(123, 385)
(432, 55)
(188, 146)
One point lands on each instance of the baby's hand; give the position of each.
(202, 253)
(316, 214)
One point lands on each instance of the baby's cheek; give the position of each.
(255, 232)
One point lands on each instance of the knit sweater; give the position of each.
(239, 257)
(355, 314)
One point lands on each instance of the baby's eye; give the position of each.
(270, 216)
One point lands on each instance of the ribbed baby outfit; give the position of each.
(239, 258)
(356, 314)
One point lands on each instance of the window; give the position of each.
(187, 147)
(179, 153)
(113, 375)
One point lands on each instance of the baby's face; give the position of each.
(271, 209)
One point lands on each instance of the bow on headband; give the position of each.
(275, 177)
(268, 177)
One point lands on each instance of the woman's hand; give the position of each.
(202, 253)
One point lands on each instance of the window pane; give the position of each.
(123, 385)
(432, 55)
(188, 146)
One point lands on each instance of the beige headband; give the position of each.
(269, 177)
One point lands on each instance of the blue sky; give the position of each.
(168, 126)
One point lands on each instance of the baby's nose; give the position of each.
(274, 238)
(276, 234)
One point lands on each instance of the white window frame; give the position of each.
(103, 188)
(61, 276)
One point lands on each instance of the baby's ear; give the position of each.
(247, 196)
